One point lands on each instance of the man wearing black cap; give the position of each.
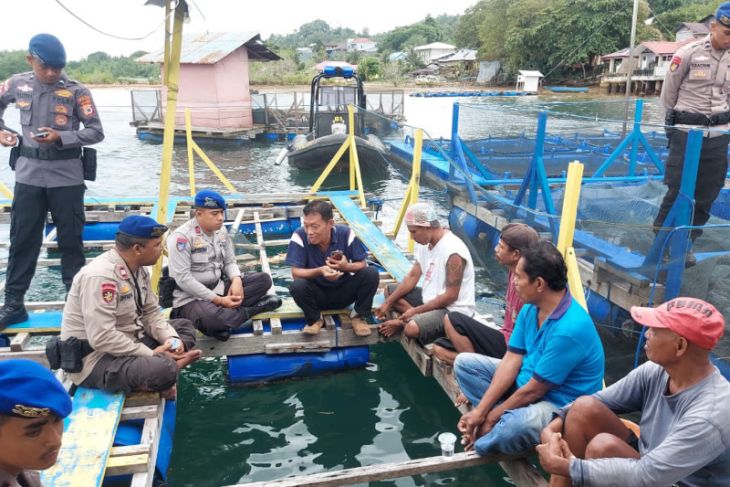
(113, 335)
(200, 255)
(695, 95)
(32, 407)
(49, 173)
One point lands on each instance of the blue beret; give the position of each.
(209, 200)
(29, 390)
(722, 14)
(141, 227)
(48, 49)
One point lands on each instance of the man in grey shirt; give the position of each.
(683, 400)
(49, 173)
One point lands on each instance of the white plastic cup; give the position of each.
(447, 441)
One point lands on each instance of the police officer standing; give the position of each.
(113, 334)
(695, 95)
(32, 407)
(200, 255)
(49, 172)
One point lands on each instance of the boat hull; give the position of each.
(318, 153)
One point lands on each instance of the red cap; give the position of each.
(696, 320)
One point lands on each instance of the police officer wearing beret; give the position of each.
(112, 314)
(200, 255)
(32, 407)
(695, 95)
(49, 172)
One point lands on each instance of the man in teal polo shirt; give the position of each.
(554, 355)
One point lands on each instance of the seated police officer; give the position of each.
(32, 407)
(201, 254)
(113, 335)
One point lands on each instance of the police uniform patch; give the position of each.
(124, 289)
(676, 61)
(108, 292)
(197, 229)
(181, 244)
(63, 93)
(25, 88)
(87, 110)
(30, 411)
(60, 119)
(121, 271)
(61, 109)
(22, 103)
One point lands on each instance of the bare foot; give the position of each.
(461, 400)
(170, 394)
(390, 327)
(188, 358)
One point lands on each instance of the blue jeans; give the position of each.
(518, 430)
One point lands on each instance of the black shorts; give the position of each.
(485, 339)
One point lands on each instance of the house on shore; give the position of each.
(214, 82)
(362, 44)
(428, 53)
(458, 63)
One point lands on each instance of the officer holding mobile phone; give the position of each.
(49, 173)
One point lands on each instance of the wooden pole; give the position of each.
(191, 162)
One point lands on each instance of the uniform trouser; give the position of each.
(209, 318)
(27, 221)
(140, 373)
(359, 288)
(710, 176)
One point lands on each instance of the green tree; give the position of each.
(688, 11)
(12, 62)
(369, 68)
(466, 33)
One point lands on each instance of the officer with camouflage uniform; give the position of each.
(125, 344)
(695, 95)
(49, 173)
(200, 254)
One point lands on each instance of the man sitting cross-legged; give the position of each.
(445, 263)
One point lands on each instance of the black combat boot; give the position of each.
(268, 303)
(13, 311)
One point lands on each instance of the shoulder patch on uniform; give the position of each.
(181, 243)
(86, 106)
(121, 272)
(676, 61)
(108, 292)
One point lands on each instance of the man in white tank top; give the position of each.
(445, 264)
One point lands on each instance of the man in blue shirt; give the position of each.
(554, 355)
(330, 270)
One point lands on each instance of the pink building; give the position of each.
(214, 79)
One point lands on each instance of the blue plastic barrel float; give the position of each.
(246, 369)
(108, 230)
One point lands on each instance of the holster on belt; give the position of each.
(15, 154)
(88, 159)
(67, 354)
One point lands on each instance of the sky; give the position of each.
(133, 19)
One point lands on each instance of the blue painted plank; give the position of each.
(88, 435)
(37, 322)
(384, 249)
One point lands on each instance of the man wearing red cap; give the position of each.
(683, 400)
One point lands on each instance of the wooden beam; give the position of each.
(385, 471)
(151, 433)
(19, 342)
(418, 354)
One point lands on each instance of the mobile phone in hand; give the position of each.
(336, 255)
(40, 135)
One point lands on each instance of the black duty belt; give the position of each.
(689, 118)
(50, 153)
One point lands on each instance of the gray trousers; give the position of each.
(133, 373)
(210, 318)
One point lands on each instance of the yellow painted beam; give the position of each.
(6, 191)
(191, 162)
(172, 75)
(351, 140)
(331, 165)
(213, 167)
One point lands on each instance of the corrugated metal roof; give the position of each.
(435, 45)
(211, 47)
(661, 47)
(460, 55)
(530, 73)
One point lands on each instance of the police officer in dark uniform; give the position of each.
(695, 95)
(32, 407)
(49, 173)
